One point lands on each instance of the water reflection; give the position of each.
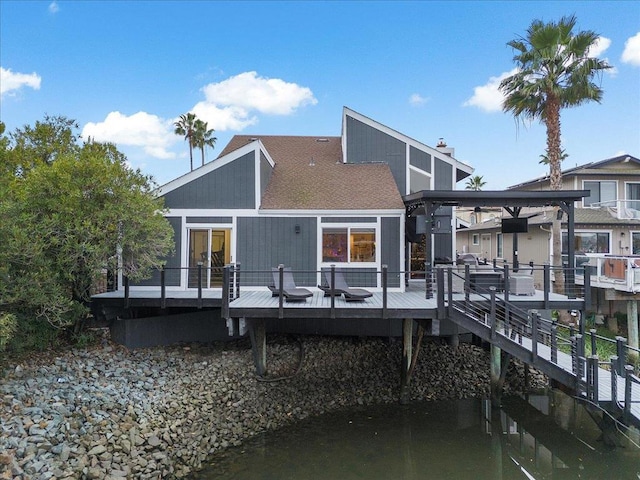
(439, 440)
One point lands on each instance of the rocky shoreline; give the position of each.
(111, 413)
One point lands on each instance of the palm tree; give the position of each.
(544, 159)
(185, 127)
(203, 137)
(554, 72)
(475, 183)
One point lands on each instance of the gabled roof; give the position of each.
(309, 175)
(603, 167)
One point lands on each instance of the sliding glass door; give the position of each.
(211, 247)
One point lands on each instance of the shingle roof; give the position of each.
(309, 174)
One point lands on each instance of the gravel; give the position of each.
(112, 413)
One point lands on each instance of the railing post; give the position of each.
(505, 275)
(199, 284)
(492, 291)
(534, 336)
(384, 291)
(546, 284)
(587, 286)
(236, 271)
(163, 288)
(440, 292)
(280, 291)
(621, 344)
(592, 378)
(450, 289)
(332, 296)
(226, 291)
(467, 285)
(594, 346)
(554, 343)
(614, 381)
(428, 275)
(628, 372)
(125, 280)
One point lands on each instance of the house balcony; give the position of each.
(620, 209)
(621, 273)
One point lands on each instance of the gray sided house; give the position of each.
(306, 202)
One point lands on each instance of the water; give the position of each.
(435, 440)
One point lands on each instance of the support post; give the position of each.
(258, 335)
(407, 346)
(492, 313)
(226, 286)
(440, 292)
(236, 270)
(546, 284)
(496, 366)
(332, 286)
(594, 343)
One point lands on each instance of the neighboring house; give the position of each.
(607, 227)
(305, 202)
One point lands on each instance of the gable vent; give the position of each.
(322, 140)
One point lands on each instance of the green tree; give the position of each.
(185, 127)
(544, 159)
(203, 136)
(554, 71)
(475, 183)
(65, 222)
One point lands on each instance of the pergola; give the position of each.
(427, 202)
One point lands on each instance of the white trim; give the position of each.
(332, 213)
(407, 173)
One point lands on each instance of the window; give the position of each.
(499, 249)
(635, 243)
(587, 242)
(633, 196)
(475, 239)
(600, 193)
(348, 245)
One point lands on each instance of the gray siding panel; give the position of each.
(230, 186)
(366, 144)
(265, 173)
(390, 248)
(172, 267)
(442, 246)
(348, 219)
(263, 243)
(443, 175)
(357, 277)
(209, 219)
(420, 159)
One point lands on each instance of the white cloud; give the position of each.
(54, 7)
(141, 129)
(416, 100)
(224, 118)
(10, 81)
(599, 47)
(232, 101)
(631, 53)
(488, 97)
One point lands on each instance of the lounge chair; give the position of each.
(289, 288)
(341, 287)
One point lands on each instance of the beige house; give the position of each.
(607, 230)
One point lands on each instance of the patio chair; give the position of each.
(289, 288)
(341, 287)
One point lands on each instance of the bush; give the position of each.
(8, 325)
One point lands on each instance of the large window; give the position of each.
(587, 242)
(635, 243)
(348, 245)
(499, 246)
(601, 193)
(633, 195)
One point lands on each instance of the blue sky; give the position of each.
(126, 70)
